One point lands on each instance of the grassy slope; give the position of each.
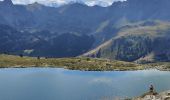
(88, 64)
(151, 29)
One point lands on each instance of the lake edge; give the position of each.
(78, 63)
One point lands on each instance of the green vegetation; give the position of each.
(79, 63)
(143, 42)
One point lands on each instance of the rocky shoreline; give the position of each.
(159, 96)
(164, 66)
(153, 95)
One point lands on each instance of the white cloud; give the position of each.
(100, 2)
(101, 80)
(46, 2)
(61, 2)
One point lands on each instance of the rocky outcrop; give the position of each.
(152, 95)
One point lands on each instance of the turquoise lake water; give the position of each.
(61, 84)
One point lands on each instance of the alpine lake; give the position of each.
(63, 84)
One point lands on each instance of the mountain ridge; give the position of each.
(137, 43)
(59, 4)
(41, 25)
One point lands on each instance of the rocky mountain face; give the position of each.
(43, 43)
(141, 42)
(122, 31)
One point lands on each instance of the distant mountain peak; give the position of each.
(36, 3)
(8, 2)
(34, 6)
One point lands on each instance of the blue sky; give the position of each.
(61, 2)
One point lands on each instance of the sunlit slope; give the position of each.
(143, 41)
